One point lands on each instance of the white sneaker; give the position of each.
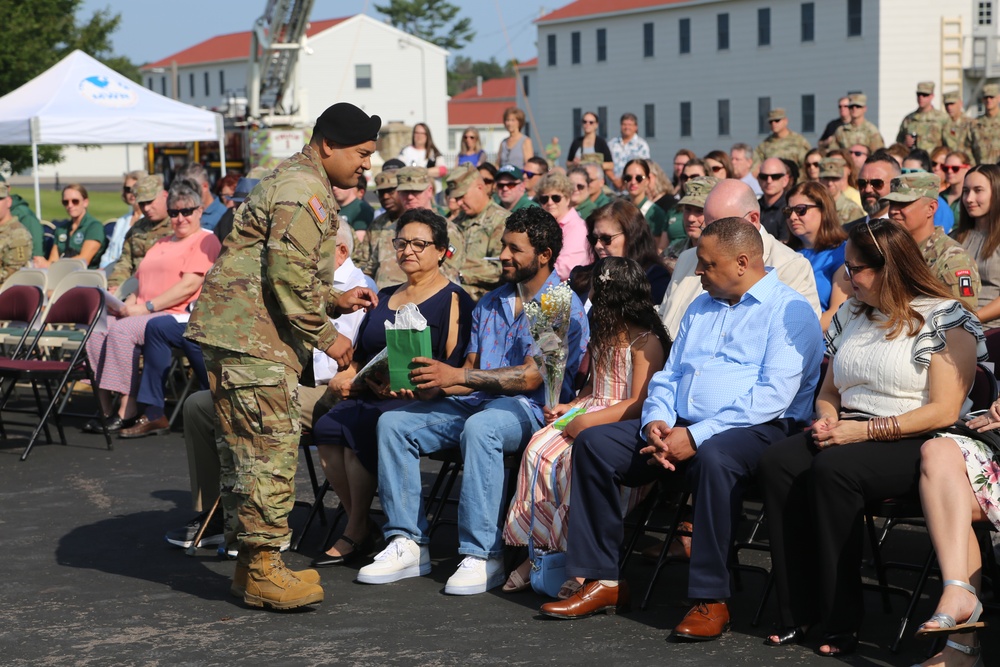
(401, 559)
(475, 575)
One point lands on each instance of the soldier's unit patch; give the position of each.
(317, 208)
(964, 282)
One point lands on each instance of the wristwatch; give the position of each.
(150, 307)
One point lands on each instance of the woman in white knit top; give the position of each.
(902, 358)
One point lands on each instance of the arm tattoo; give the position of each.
(500, 380)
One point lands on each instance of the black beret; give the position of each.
(347, 125)
(393, 163)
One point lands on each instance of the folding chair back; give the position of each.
(984, 389)
(993, 348)
(85, 278)
(26, 276)
(59, 269)
(130, 286)
(20, 304)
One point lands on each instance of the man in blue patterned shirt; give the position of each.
(739, 377)
(489, 407)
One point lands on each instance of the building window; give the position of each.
(984, 12)
(684, 25)
(551, 39)
(853, 18)
(163, 85)
(574, 48)
(149, 83)
(577, 125)
(647, 40)
(649, 120)
(602, 45)
(764, 26)
(723, 118)
(207, 92)
(763, 109)
(362, 76)
(524, 84)
(722, 28)
(191, 82)
(808, 21)
(685, 119)
(222, 81)
(808, 113)
(602, 121)
(527, 130)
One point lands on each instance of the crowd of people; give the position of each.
(702, 301)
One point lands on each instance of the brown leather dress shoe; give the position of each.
(593, 598)
(704, 622)
(144, 427)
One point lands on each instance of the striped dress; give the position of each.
(551, 450)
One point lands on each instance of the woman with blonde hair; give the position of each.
(471, 151)
(517, 147)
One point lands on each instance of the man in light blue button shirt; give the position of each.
(741, 374)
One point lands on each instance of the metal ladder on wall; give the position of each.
(952, 72)
(277, 39)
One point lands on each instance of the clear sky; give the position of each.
(153, 29)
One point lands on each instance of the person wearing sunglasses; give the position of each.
(833, 176)
(517, 146)
(693, 168)
(858, 154)
(692, 207)
(627, 147)
(810, 165)
(15, 239)
(121, 226)
(488, 172)
(955, 133)
(555, 189)
(774, 179)
(922, 128)
(859, 130)
(225, 188)
(635, 180)
(579, 198)
(978, 230)
(590, 143)
(874, 183)
(956, 166)
(885, 390)
(534, 168)
(918, 161)
(471, 151)
(510, 188)
(718, 164)
(782, 142)
(151, 199)
(81, 235)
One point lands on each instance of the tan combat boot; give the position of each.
(239, 586)
(269, 583)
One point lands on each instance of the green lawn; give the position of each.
(104, 206)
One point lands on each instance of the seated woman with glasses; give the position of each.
(903, 357)
(170, 278)
(816, 233)
(554, 190)
(635, 179)
(81, 235)
(978, 230)
(471, 151)
(345, 436)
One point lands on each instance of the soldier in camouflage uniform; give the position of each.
(985, 132)
(15, 239)
(693, 205)
(263, 309)
(859, 130)
(956, 133)
(150, 228)
(383, 225)
(912, 203)
(482, 222)
(923, 128)
(782, 143)
(833, 175)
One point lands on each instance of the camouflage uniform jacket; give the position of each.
(139, 239)
(949, 261)
(847, 210)
(956, 135)
(15, 247)
(381, 262)
(985, 139)
(791, 147)
(264, 297)
(867, 134)
(927, 125)
(482, 239)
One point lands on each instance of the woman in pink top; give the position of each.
(170, 278)
(554, 190)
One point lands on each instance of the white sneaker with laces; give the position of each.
(475, 575)
(401, 559)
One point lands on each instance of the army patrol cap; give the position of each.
(4, 189)
(908, 188)
(832, 167)
(386, 180)
(858, 100)
(412, 179)
(347, 125)
(951, 97)
(925, 87)
(510, 172)
(460, 179)
(148, 187)
(696, 191)
(991, 90)
(243, 188)
(776, 114)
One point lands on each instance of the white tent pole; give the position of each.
(33, 127)
(220, 125)
(128, 167)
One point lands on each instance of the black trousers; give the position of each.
(815, 501)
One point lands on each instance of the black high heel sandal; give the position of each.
(842, 644)
(793, 635)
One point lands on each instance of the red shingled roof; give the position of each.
(234, 46)
(470, 108)
(529, 63)
(584, 8)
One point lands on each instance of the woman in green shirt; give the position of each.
(635, 180)
(82, 235)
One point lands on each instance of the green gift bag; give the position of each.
(403, 346)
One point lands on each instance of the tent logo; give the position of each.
(108, 92)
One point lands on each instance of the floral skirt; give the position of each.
(983, 465)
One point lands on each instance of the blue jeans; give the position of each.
(484, 431)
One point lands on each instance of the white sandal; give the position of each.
(947, 624)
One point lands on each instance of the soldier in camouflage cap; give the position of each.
(154, 224)
(481, 222)
(692, 206)
(913, 201)
(383, 228)
(782, 143)
(956, 134)
(984, 136)
(922, 128)
(833, 175)
(15, 239)
(263, 309)
(859, 130)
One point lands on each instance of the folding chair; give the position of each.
(26, 276)
(80, 307)
(19, 305)
(59, 269)
(993, 348)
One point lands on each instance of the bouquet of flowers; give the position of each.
(548, 323)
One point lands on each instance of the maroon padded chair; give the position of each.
(20, 304)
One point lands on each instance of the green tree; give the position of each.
(464, 71)
(37, 35)
(432, 20)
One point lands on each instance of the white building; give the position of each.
(702, 74)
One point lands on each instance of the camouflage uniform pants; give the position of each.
(257, 404)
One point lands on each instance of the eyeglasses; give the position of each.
(852, 269)
(605, 239)
(859, 153)
(628, 178)
(812, 165)
(590, 122)
(717, 168)
(954, 168)
(770, 177)
(469, 136)
(843, 106)
(74, 202)
(776, 120)
(178, 212)
(506, 185)
(544, 199)
(126, 190)
(856, 106)
(876, 183)
(874, 240)
(418, 245)
(923, 94)
(580, 186)
(799, 210)
(937, 165)
(528, 174)
(488, 181)
(906, 170)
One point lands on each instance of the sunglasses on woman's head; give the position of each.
(544, 199)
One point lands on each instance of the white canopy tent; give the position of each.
(82, 101)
